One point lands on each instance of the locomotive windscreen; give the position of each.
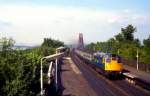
(114, 56)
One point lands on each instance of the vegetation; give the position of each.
(20, 69)
(125, 45)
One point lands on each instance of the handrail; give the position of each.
(50, 72)
(50, 57)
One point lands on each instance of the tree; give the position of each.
(145, 55)
(146, 43)
(128, 32)
(6, 43)
(119, 37)
(137, 42)
(20, 69)
(52, 43)
(125, 45)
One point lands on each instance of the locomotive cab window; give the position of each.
(107, 58)
(114, 56)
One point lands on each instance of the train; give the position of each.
(105, 63)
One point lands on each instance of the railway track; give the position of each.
(132, 90)
(105, 87)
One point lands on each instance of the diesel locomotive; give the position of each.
(107, 64)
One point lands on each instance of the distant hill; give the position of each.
(23, 47)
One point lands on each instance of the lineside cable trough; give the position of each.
(136, 80)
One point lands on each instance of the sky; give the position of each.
(29, 21)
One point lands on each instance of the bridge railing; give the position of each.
(52, 71)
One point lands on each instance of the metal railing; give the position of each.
(52, 71)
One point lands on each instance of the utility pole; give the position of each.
(137, 63)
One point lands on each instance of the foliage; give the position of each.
(48, 42)
(147, 43)
(6, 45)
(146, 50)
(128, 32)
(125, 45)
(20, 69)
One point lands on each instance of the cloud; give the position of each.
(4, 24)
(32, 23)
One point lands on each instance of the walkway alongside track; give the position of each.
(73, 82)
